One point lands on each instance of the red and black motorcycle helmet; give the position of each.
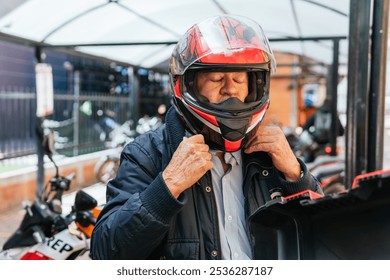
(223, 43)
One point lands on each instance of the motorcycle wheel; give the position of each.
(106, 169)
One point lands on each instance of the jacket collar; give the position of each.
(175, 128)
(259, 158)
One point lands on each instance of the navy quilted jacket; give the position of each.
(142, 220)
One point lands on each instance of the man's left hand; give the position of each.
(271, 139)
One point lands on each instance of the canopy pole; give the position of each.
(334, 83)
(358, 57)
(377, 86)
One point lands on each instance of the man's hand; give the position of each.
(189, 163)
(272, 140)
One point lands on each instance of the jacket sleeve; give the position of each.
(139, 207)
(306, 182)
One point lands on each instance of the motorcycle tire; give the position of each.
(106, 168)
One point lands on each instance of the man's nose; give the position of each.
(229, 87)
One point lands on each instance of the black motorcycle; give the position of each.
(328, 169)
(45, 231)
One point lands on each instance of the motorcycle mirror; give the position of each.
(84, 202)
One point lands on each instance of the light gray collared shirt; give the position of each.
(229, 196)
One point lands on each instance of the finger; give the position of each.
(260, 147)
(208, 166)
(257, 140)
(268, 139)
(269, 131)
(208, 156)
(268, 147)
(201, 148)
(194, 145)
(197, 138)
(259, 133)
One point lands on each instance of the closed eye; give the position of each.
(240, 81)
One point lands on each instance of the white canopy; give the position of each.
(133, 31)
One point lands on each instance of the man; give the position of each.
(188, 189)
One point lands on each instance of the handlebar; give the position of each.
(61, 183)
(55, 189)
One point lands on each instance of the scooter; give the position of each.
(46, 232)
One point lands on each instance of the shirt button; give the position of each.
(235, 255)
(265, 173)
(208, 189)
(230, 218)
(214, 253)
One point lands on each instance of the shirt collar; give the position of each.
(232, 158)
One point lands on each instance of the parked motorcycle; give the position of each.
(121, 135)
(147, 123)
(107, 165)
(330, 172)
(328, 169)
(306, 148)
(46, 232)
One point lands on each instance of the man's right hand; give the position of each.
(189, 163)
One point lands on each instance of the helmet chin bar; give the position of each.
(233, 132)
(224, 134)
(233, 129)
(227, 135)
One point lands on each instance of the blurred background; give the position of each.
(95, 73)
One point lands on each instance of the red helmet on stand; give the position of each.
(222, 44)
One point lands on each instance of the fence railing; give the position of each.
(81, 124)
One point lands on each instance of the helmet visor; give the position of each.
(222, 40)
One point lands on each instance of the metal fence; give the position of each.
(91, 95)
(81, 123)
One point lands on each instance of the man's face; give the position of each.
(219, 86)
